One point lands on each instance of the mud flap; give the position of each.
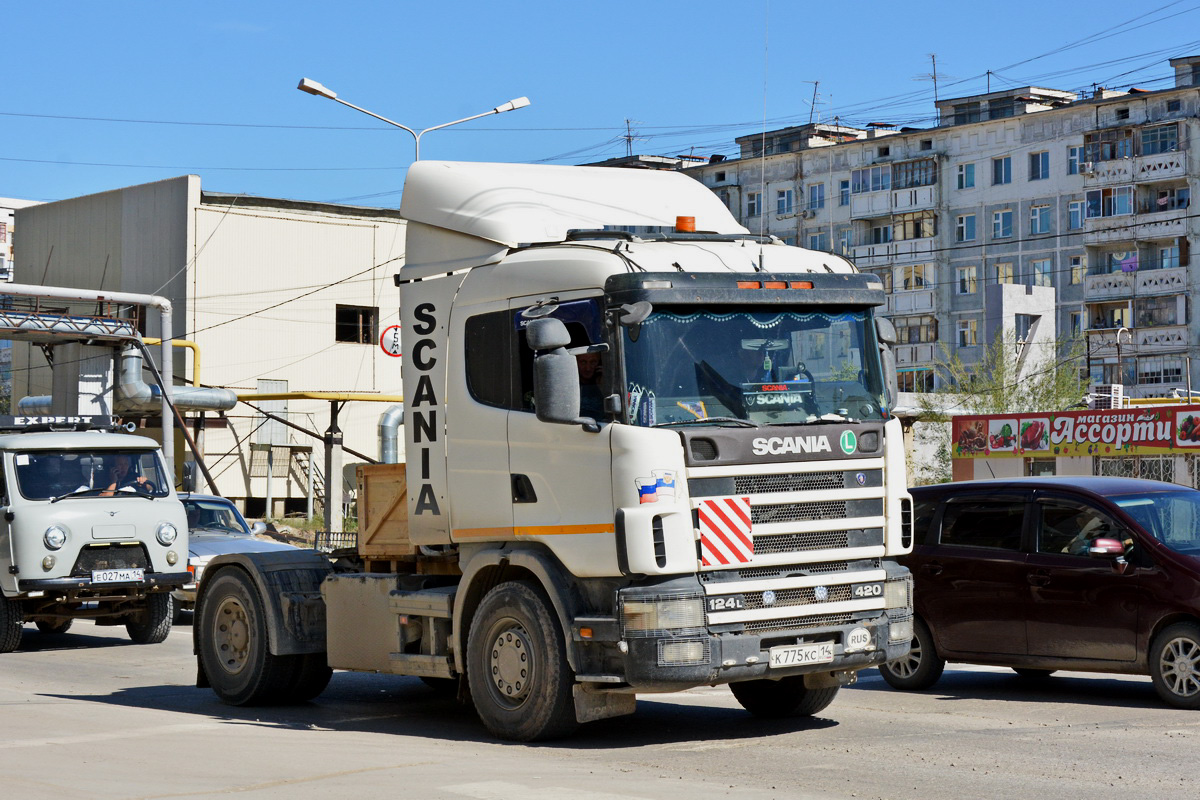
(591, 706)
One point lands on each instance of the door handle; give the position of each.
(931, 569)
(1039, 578)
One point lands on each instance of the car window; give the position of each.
(923, 512)
(983, 522)
(1070, 527)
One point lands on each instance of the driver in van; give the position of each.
(122, 475)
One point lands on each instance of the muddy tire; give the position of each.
(311, 677)
(921, 668)
(57, 626)
(10, 624)
(517, 666)
(786, 697)
(231, 633)
(155, 623)
(1175, 665)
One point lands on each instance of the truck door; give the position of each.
(562, 474)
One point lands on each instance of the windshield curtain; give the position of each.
(1171, 517)
(766, 367)
(45, 474)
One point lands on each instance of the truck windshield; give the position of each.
(1171, 517)
(46, 474)
(765, 367)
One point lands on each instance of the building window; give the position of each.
(999, 109)
(1075, 323)
(1075, 215)
(964, 228)
(1074, 157)
(967, 330)
(1108, 145)
(966, 280)
(927, 144)
(1039, 166)
(1078, 269)
(916, 225)
(816, 196)
(1160, 139)
(1170, 200)
(819, 241)
(844, 193)
(915, 380)
(1039, 219)
(1041, 272)
(1168, 257)
(966, 112)
(1001, 170)
(966, 176)
(356, 324)
(1005, 274)
(783, 201)
(1122, 113)
(753, 207)
(1152, 312)
(1002, 224)
(916, 330)
(846, 241)
(718, 177)
(885, 275)
(1172, 106)
(1159, 369)
(881, 234)
(911, 174)
(918, 276)
(1110, 202)
(885, 151)
(871, 179)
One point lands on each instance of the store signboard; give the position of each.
(1149, 430)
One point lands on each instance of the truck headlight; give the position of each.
(898, 593)
(166, 534)
(55, 537)
(651, 615)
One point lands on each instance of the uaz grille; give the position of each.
(117, 556)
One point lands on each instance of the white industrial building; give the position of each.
(275, 297)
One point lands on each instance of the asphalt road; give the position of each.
(86, 714)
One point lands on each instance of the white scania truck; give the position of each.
(645, 451)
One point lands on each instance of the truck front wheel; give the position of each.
(10, 624)
(154, 623)
(517, 666)
(233, 643)
(786, 697)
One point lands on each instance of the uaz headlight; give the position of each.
(55, 537)
(166, 533)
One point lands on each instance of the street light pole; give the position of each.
(314, 88)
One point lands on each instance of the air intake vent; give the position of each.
(906, 523)
(704, 449)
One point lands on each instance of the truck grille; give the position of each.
(110, 556)
(793, 482)
(794, 623)
(797, 542)
(794, 512)
(817, 568)
(799, 597)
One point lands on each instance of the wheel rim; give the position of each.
(1179, 665)
(231, 635)
(905, 667)
(510, 662)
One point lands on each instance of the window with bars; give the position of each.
(356, 324)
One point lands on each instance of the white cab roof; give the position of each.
(514, 204)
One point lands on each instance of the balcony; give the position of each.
(1124, 285)
(910, 354)
(1161, 281)
(1102, 342)
(1142, 169)
(880, 204)
(909, 251)
(1128, 227)
(910, 302)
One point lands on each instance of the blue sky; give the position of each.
(100, 96)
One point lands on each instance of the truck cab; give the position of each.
(90, 528)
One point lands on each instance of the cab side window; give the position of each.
(983, 523)
(488, 358)
(1068, 527)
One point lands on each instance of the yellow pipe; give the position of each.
(195, 348)
(335, 396)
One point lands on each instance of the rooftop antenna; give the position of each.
(630, 136)
(812, 107)
(933, 75)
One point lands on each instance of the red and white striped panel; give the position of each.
(725, 531)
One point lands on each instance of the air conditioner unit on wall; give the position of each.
(1108, 395)
(1087, 167)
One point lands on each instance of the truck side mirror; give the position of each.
(555, 375)
(885, 332)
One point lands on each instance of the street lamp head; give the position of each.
(312, 87)
(512, 105)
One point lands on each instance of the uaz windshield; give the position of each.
(761, 366)
(80, 473)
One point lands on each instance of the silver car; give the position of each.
(216, 527)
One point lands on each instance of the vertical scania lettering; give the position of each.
(645, 451)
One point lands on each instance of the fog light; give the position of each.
(172, 557)
(48, 563)
(901, 630)
(677, 653)
(898, 594)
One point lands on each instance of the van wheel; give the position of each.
(1175, 665)
(921, 668)
(155, 622)
(517, 666)
(10, 624)
(1033, 674)
(231, 633)
(56, 626)
(786, 697)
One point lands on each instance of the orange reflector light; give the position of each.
(749, 285)
(585, 633)
(774, 284)
(685, 224)
(801, 284)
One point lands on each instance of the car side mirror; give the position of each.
(258, 528)
(1106, 548)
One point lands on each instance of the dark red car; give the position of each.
(1066, 573)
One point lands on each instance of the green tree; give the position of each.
(1001, 382)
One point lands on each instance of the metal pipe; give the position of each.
(389, 427)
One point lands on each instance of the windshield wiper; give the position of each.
(812, 420)
(75, 493)
(745, 423)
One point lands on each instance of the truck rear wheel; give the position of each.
(786, 697)
(232, 637)
(155, 623)
(517, 666)
(10, 624)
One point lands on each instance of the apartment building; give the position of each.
(1088, 196)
